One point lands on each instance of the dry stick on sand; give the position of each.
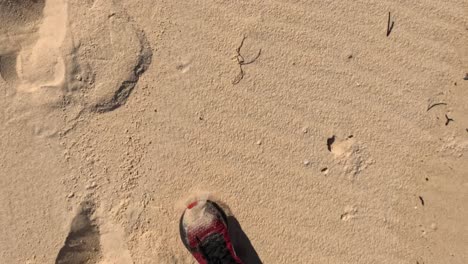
(422, 200)
(241, 61)
(448, 120)
(389, 25)
(433, 105)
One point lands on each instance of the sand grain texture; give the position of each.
(112, 111)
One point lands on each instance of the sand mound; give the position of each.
(42, 66)
(20, 20)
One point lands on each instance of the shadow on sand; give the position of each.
(241, 242)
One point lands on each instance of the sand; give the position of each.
(338, 144)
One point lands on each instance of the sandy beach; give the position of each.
(336, 131)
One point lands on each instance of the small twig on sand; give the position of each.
(239, 76)
(330, 142)
(389, 25)
(241, 61)
(433, 105)
(422, 200)
(448, 120)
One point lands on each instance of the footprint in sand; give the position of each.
(349, 153)
(67, 57)
(82, 244)
(93, 240)
(110, 54)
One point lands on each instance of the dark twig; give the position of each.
(448, 120)
(254, 59)
(330, 142)
(389, 25)
(422, 200)
(241, 61)
(433, 105)
(239, 76)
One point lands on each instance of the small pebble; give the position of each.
(91, 185)
(306, 162)
(433, 226)
(305, 130)
(70, 195)
(259, 142)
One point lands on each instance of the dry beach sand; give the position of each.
(338, 144)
